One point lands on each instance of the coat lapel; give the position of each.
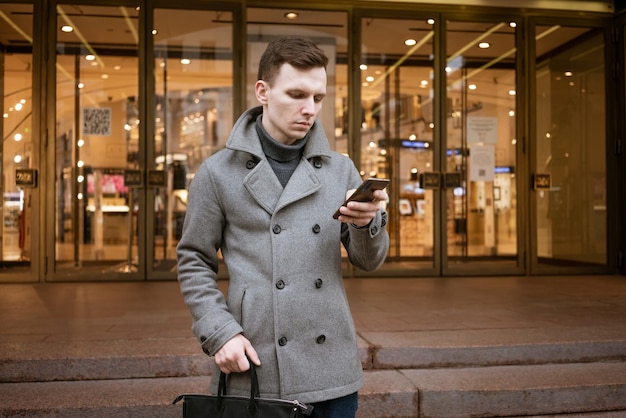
(303, 182)
(264, 187)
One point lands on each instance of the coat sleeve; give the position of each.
(367, 247)
(198, 263)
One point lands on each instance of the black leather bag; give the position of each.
(225, 406)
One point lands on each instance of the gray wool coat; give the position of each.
(282, 248)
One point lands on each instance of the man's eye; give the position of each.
(318, 99)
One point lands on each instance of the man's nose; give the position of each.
(308, 108)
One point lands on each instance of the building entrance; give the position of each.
(491, 123)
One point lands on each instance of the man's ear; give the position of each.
(260, 90)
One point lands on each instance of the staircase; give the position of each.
(570, 372)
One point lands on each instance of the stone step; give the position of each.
(179, 357)
(102, 360)
(589, 390)
(492, 347)
(506, 391)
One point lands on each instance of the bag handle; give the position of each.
(254, 390)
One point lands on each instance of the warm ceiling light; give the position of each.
(66, 28)
(568, 74)
(363, 67)
(185, 61)
(472, 87)
(410, 42)
(291, 15)
(90, 57)
(484, 45)
(431, 21)
(154, 31)
(513, 24)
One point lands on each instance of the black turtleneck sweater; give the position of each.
(282, 158)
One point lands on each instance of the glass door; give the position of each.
(479, 173)
(96, 143)
(19, 165)
(193, 107)
(569, 197)
(397, 133)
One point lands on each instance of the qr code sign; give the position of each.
(97, 121)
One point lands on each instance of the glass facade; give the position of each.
(19, 143)
(193, 111)
(397, 141)
(495, 131)
(570, 147)
(96, 138)
(482, 145)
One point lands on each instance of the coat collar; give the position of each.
(261, 182)
(244, 137)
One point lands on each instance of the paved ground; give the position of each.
(554, 344)
(116, 311)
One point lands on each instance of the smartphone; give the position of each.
(365, 192)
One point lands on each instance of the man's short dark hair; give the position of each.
(300, 52)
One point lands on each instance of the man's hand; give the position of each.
(362, 213)
(231, 358)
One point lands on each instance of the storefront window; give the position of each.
(18, 148)
(194, 110)
(96, 138)
(570, 152)
(480, 173)
(397, 125)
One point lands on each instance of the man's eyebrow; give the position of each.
(305, 91)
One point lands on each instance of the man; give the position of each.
(266, 201)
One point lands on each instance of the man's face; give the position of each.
(292, 102)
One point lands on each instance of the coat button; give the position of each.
(250, 164)
(280, 284)
(318, 283)
(317, 163)
(316, 229)
(282, 341)
(276, 229)
(374, 230)
(321, 339)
